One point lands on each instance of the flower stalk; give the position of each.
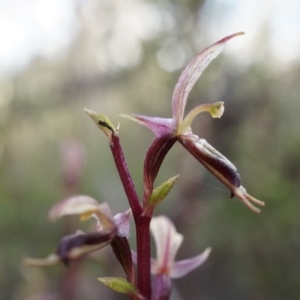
(114, 230)
(125, 176)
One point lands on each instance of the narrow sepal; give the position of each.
(121, 285)
(182, 267)
(122, 252)
(154, 158)
(159, 194)
(192, 72)
(167, 241)
(102, 122)
(159, 126)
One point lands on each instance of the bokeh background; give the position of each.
(115, 56)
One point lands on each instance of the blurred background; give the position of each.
(117, 56)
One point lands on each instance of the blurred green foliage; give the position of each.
(253, 257)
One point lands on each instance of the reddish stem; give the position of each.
(125, 176)
(143, 255)
(142, 222)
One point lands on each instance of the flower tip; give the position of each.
(102, 122)
(85, 109)
(217, 109)
(236, 34)
(41, 262)
(205, 254)
(239, 33)
(242, 194)
(208, 250)
(89, 111)
(229, 37)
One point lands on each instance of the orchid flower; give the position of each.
(164, 267)
(179, 128)
(75, 246)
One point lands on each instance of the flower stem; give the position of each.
(143, 255)
(125, 176)
(142, 222)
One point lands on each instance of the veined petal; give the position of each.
(159, 126)
(219, 166)
(192, 72)
(167, 241)
(84, 206)
(182, 267)
(215, 109)
(75, 205)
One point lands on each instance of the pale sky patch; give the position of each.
(43, 28)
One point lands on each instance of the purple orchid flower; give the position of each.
(164, 267)
(168, 130)
(75, 246)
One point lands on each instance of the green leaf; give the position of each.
(160, 193)
(121, 285)
(102, 122)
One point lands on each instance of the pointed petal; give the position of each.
(191, 74)
(167, 241)
(122, 221)
(182, 267)
(219, 166)
(159, 126)
(215, 109)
